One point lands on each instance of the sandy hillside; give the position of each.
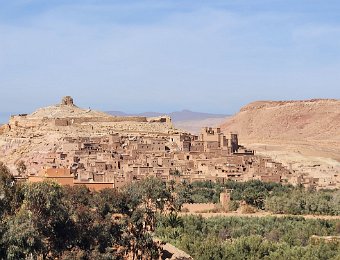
(32, 143)
(304, 134)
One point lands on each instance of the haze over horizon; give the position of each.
(137, 56)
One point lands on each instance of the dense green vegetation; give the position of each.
(272, 197)
(49, 221)
(250, 238)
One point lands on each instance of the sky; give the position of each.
(167, 55)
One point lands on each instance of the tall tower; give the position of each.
(234, 142)
(67, 101)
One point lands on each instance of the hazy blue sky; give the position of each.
(212, 56)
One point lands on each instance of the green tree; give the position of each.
(150, 194)
(50, 216)
(21, 238)
(8, 191)
(182, 194)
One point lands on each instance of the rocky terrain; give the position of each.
(185, 119)
(304, 135)
(29, 136)
(63, 111)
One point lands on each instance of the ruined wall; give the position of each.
(80, 120)
(162, 119)
(61, 122)
(24, 121)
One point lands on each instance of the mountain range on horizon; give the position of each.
(186, 118)
(176, 116)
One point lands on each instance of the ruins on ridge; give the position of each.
(76, 146)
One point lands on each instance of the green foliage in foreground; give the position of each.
(272, 197)
(47, 221)
(250, 238)
(305, 202)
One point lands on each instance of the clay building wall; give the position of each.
(271, 178)
(197, 146)
(23, 121)
(236, 160)
(209, 134)
(61, 122)
(211, 145)
(119, 181)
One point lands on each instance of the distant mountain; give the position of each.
(151, 114)
(117, 113)
(177, 116)
(146, 114)
(187, 115)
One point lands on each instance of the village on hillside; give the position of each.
(75, 146)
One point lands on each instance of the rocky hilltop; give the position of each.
(67, 114)
(309, 120)
(28, 135)
(305, 134)
(66, 109)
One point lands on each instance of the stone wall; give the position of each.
(23, 121)
(61, 122)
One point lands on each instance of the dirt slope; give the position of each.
(298, 133)
(289, 120)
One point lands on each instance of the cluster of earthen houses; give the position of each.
(116, 159)
(78, 146)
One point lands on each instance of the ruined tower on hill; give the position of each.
(66, 113)
(67, 101)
